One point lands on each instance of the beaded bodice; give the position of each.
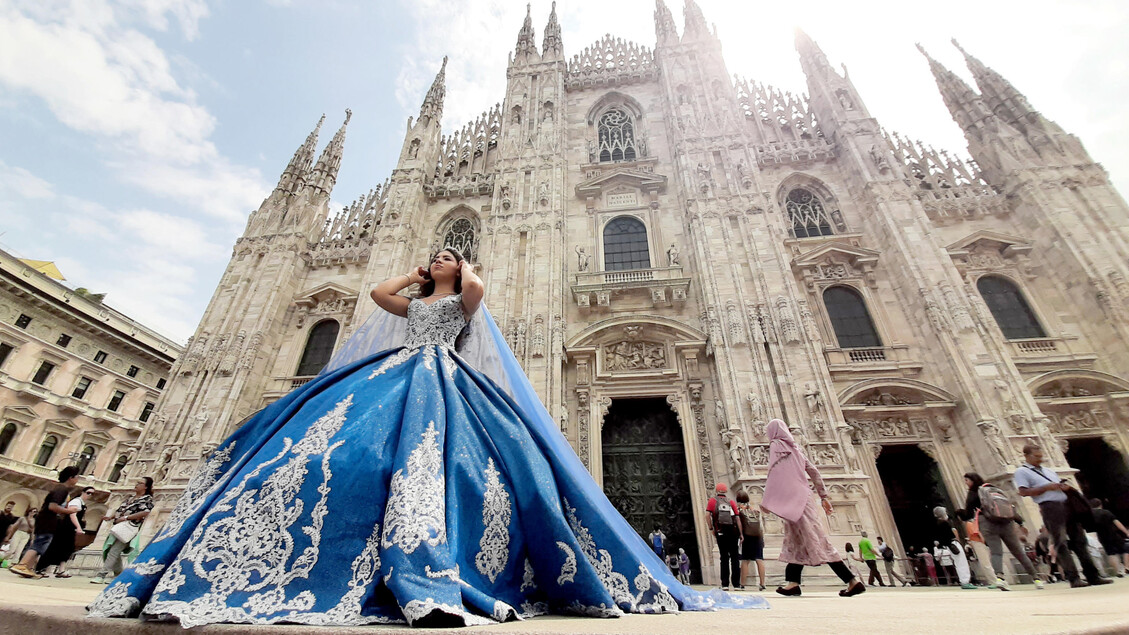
(438, 323)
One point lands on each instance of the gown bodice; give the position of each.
(438, 323)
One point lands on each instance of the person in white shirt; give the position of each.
(1047, 489)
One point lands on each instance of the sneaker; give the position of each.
(725, 588)
(22, 571)
(1002, 585)
(1039, 585)
(969, 586)
(98, 580)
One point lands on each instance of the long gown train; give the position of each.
(397, 486)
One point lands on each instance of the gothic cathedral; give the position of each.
(677, 257)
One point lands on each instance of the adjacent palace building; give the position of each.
(78, 383)
(678, 256)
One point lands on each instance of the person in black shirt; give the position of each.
(7, 519)
(47, 520)
(1113, 536)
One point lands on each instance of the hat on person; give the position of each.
(721, 488)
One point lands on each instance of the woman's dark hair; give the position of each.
(976, 479)
(68, 473)
(850, 548)
(148, 484)
(742, 496)
(428, 287)
(88, 489)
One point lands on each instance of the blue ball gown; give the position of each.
(403, 487)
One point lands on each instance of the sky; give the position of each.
(137, 135)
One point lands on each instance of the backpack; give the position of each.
(724, 512)
(995, 504)
(887, 553)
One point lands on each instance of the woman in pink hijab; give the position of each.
(788, 495)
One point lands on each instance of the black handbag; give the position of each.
(1080, 510)
(1077, 507)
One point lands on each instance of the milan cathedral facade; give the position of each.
(678, 256)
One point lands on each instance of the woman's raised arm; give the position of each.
(472, 288)
(387, 294)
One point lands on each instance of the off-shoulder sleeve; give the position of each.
(816, 478)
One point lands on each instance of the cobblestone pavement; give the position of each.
(55, 606)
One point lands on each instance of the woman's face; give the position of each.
(967, 482)
(445, 267)
(139, 488)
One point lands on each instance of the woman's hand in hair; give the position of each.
(419, 275)
(472, 288)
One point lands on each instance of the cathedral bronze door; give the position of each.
(645, 473)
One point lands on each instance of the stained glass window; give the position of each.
(616, 136)
(850, 319)
(807, 214)
(319, 348)
(460, 235)
(1012, 313)
(625, 245)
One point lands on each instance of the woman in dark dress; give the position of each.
(63, 544)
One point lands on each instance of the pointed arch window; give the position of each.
(46, 450)
(6, 435)
(616, 132)
(319, 348)
(116, 472)
(85, 459)
(850, 319)
(1011, 311)
(807, 214)
(461, 236)
(625, 245)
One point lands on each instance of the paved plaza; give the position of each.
(56, 606)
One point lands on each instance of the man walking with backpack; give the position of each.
(887, 554)
(725, 524)
(998, 522)
(1067, 533)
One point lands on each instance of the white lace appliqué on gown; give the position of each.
(415, 512)
(250, 550)
(496, 512)
(194, 492)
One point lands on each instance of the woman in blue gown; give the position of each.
(406, 486)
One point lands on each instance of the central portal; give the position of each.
(645, 473)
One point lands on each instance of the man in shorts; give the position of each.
(1113, 536)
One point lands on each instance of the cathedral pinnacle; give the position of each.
(999, 95)
(967, 108)
(526, 46)
(432, 107)
(553, 46)
(324, 175)
(695, 21)
(300, 163)
(811, 56)
(665, 30)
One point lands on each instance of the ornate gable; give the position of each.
(833, 262)
(328, 299)
(620, 180)
(987, 250)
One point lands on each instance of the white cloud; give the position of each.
(100, 76)
(16, 182)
